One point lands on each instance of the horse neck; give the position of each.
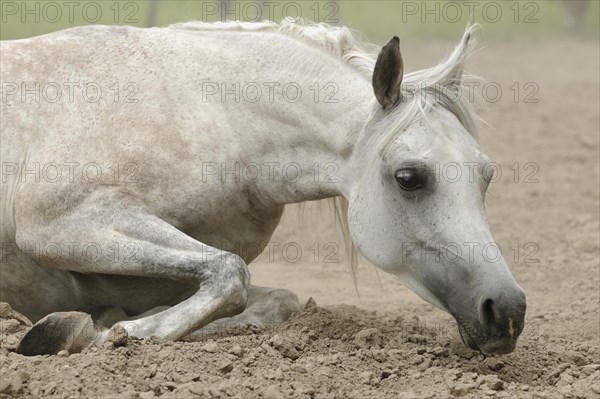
(315, 156)
(310, 142)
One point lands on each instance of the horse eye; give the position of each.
(409, 179)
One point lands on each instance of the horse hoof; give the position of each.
(69, 331)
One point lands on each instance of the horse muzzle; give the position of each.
(496, 323)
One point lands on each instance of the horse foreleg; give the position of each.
(162, 251)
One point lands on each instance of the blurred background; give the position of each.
(376, 19)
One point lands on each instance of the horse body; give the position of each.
(174, 196)
(164, 151)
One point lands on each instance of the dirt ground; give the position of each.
(386, 342)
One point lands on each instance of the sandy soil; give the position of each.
(387, 343)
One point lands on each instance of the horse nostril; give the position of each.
(489, 318)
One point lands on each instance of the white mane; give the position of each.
(339, 41)
(349, 47)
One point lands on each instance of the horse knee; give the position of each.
(232, 281)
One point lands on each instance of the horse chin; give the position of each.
(498, 347)
(467, 339)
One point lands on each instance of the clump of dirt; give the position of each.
(339, 351)
(13, 326)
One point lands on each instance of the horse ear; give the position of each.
(388, 72)
(455, 64)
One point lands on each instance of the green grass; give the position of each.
(377, 19)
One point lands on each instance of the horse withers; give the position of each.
(114, 202)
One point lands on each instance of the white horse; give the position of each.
(136, 163)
